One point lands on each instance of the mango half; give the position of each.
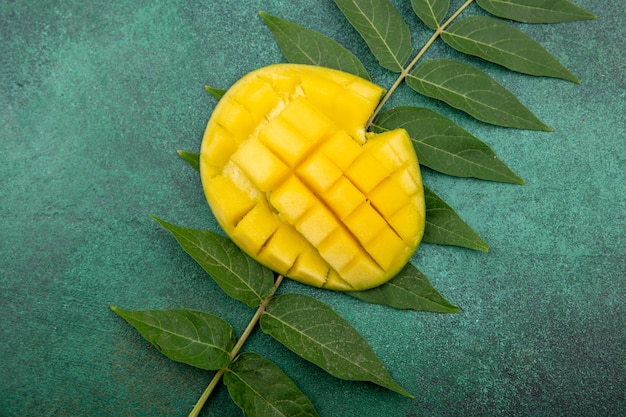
(295, 181)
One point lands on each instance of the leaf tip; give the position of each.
(156, 219)
(545, 128)
(572, 78)
(265, 16)
(215, 92)
(404, 392)
(448, 308)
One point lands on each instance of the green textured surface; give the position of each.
(96, 97)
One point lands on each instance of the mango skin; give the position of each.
(295, 181)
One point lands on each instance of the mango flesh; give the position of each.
(295, 181)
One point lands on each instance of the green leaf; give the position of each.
(215, 92)
(304, 46)
(193, 337)
(262, 389)
(431, 12)
(472, 91)
(499, 42)
(383, 29)
(314, 331)
(236, 273)
(442, 145)
(445, 227)
(409, 289)
(193, 159)
(536, 11)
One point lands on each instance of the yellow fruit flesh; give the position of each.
(296, 182)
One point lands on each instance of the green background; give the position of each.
(97, 96)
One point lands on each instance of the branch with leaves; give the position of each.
(302, 323)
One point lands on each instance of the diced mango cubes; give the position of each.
(296, 182)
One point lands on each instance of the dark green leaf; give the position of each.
(499, 42)
(262, 389)
(442, 145)
(304, 46)
(236, 273)
(536, 11)
(431, 12)
(215, 92)
(314, 331)
(445, 227)
(410, 289)
(383, 29)
(193, 159)
(193, 337)
(472, 91)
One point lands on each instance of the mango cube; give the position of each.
(366, 172)
(228, 211)
(341, 149)
(310, 122)
(386, 197)
(292, 199)
(283, 248)
(255, 228)
(285, 141)
(267, 171)
(237, 120)
(317, 224)
(385, 247)
(311, 268)
(258, 97)
(319, 172)
(339, 248)
(343, 197)
(358, 271)
(365, 223)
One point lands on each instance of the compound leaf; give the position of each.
(497, 41)
(193, 337)
(314, 331)
(236, 273)
(472, 91)
(383, 29)
(262, 389)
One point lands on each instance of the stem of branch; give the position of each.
(244, 336)
(405, 72)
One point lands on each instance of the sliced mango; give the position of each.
(296, 182)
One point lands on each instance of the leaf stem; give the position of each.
(405, 72)
(244, 336)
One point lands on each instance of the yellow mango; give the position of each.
(294, 179)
